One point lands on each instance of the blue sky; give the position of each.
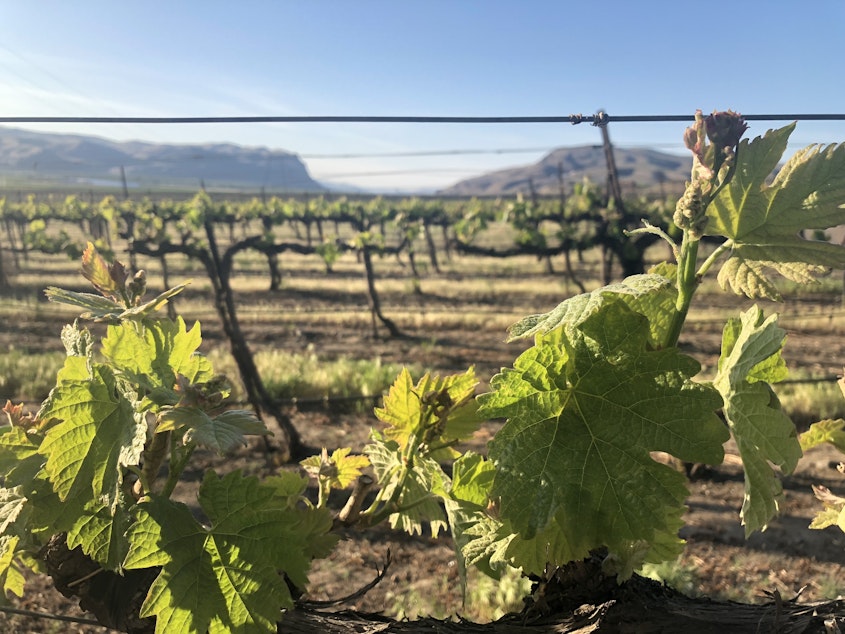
(416, 57)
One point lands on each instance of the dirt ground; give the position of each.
(423, 577)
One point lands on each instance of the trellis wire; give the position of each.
(53, 617)
(329, 401)
(598, 119)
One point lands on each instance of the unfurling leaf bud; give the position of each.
(725, 129)
(690, 211)
(713, 162)
(694, 136)
(138, 286)
(108, 278)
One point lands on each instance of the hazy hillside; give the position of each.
(75, 159)
(646, 169)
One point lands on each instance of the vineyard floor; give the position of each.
(447, 334)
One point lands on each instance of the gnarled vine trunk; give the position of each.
(219, 269)
(580, 601)
(373, 298)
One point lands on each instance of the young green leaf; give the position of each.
(221, 433)
(153, 356)
(750, 358)
(824, 431)
(465, 505)
(833, 513)
(15, 514)
(494, 542)
(651, 295)
(416, 495)
(13, 505)
(101, 534)
(485, 545)
(20, 461)
(437, 411)
(95, 305)
(340, 469)
(11, 578)
(101, 308)
(764, 223)
(585, 408)
(157, 303)
(98, 433)
(472, 478)
(224, 577)
(78, 342)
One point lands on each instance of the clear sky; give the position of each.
(420, 57)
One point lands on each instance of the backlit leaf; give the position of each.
(834, 509)
(11, 578)
(472, 478)
(224, 577)
(751, 347)
(418, 503)
(12, 505)
(651, 295)
(96, 306)
(101, 534)
(101, 308)
(108, 279)
(437, 411)
(221, 433)
(766, 222)
(154, 355)
(824, 431)
(340, 469)
(20, 461)
(99, 433)
(586, 406)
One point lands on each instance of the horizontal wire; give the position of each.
(598, 119)
(426, 153)
(52, 617)
(328, 401)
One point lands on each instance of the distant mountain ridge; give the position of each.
(73, 159)
(649, 170)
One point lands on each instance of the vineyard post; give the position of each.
(9, 224)
(614, 190)
(123, 182)
(4, 279)
(614, 194)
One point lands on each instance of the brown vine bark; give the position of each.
(579, 600)
(373, 298)
(432, 249)
(639, 608)
(4, 279)
(275, 272)
(114, 600)
(220, 269)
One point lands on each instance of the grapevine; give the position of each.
(570, 475)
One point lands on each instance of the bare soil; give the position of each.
(422, 577)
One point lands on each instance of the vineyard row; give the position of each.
(540, 227)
